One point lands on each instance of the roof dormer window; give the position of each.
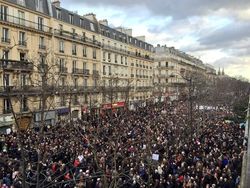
(21, 2)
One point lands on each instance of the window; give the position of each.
(71, 18)
(39, 5)
(21, 18)
(115, 58)
(74, 49)
(23, 80)
(94, 53)
(5, 35)
(40, 23)
(22, 56)
(109, 57)
(42, 43)
(104, 70)
(121, 59)
(104, 56)
(75, 82)
(21, 2)
(85, 82)
(24, 104)
(159, 64)
(84, 65)
(74, 66)
(7, 106)
(61, 64)
(93, 38)
(126, 61)
(63, 101)
(6, 80)
(110, 70)
(4, 13)
(22, 41)
(84, 50)
(5, 56)
(166, 64)
(73, 33)
(61, 46)
(81, 22)
(92, 27)
(58, 14)
(83, 36)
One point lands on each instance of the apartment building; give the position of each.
(170, 71)
(56, 59)
(130, 60)
(26, 33)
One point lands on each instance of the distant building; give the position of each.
(170, 67)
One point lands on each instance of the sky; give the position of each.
(215, 31)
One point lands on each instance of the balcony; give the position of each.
(73, 52)
(7, 111)
(61, 51)
(42, 47)
(114, 49)
(138, 55)
(63, 70)
(23, 23)
(96, 73)
(22, 43)
(77, 71)
(13, 65)
(76, 37)
(86, 72)
(5, 40)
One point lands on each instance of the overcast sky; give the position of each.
(216, 31)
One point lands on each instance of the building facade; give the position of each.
(55, 60)
(173, 70)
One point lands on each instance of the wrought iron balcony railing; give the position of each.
(20, 22)
(76, 37)
(5, 40)
(9, 65)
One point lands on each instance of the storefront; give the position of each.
(49, 118)
(113, 106)
(75, 113)
(6, 122)
(62, 113)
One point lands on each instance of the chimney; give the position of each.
(91, 16)
(104, 22)
(56, 3)
(128, 32)
(142, 38)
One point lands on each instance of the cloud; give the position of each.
(217, 32)
(227, 35)
(177, 9)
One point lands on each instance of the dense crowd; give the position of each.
(155, 146)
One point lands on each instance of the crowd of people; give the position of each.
(155, 146)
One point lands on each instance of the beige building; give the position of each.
(171, 68)
(67, 63)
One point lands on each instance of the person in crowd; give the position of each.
(116, 149)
